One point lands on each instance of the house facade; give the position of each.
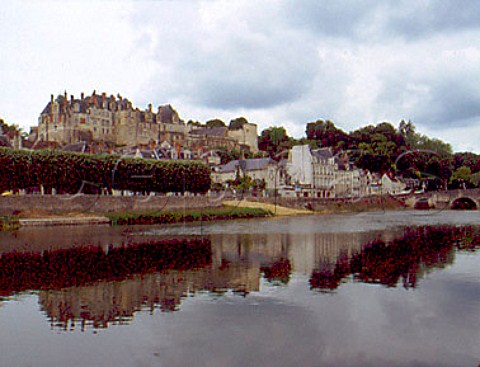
(318, 173)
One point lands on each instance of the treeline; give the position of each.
(70, 173)
(384, 148)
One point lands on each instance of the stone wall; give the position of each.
(58, 204)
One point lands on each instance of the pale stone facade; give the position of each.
(115, 120)
(111, 119)
(318, 173)
(247, 136)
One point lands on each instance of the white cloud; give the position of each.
(272, 62)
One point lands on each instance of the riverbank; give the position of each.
(38, 218)
(230, 210)
(296, 206)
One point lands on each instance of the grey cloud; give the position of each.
(423, 18)
(249, 63)
(333, 18)
(453, 101)
(443, 102)
(247, 77)
(298, 61)
(381, 20)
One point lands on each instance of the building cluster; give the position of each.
(112, 123)
(307, 172)
(99, 123)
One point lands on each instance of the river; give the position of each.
(398, 288)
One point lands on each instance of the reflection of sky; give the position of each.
(436, 324)
(334, 223)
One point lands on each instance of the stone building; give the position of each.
(108, 118)
(115, 120)
(265, 170)
(318, 173)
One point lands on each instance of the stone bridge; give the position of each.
(453, 199)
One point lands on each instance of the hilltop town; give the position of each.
(328, 163)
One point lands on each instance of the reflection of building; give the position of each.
(108, 302)
(312, 251)
(237, 264)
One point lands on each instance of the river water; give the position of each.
(371, 289)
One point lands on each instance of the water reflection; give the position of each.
(96, 286)
(403, 260)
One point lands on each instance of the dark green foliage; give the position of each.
(237, 123)
(274, 140)
(326, 134)
(215, 123)
(169, 217)
(69, 173)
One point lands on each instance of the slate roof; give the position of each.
(250, 164)
(210, 131)
(149, 154)
(76, 147)
(322, 153)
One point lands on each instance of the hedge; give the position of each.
(69, 173)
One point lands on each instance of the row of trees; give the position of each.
(70, 173)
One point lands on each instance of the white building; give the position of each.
(318, 173)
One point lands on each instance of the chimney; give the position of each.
(71, 99)
(51, 98)
(104, 96)
(149, 107)
(82, 96)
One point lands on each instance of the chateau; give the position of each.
(114, 120)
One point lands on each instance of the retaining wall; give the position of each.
(102, 204)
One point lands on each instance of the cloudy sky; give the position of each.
(274, 62)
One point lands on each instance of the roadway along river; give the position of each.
(370, 289)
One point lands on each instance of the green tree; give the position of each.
(468, 159)
(194, 123)
(475, 179)
(274, 140)
(237, 123)
(407, 130)
(215, 123)
(460, 176)
(326, 134)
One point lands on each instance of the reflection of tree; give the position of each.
(277, 272)
(403, 259)
(86, 265)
